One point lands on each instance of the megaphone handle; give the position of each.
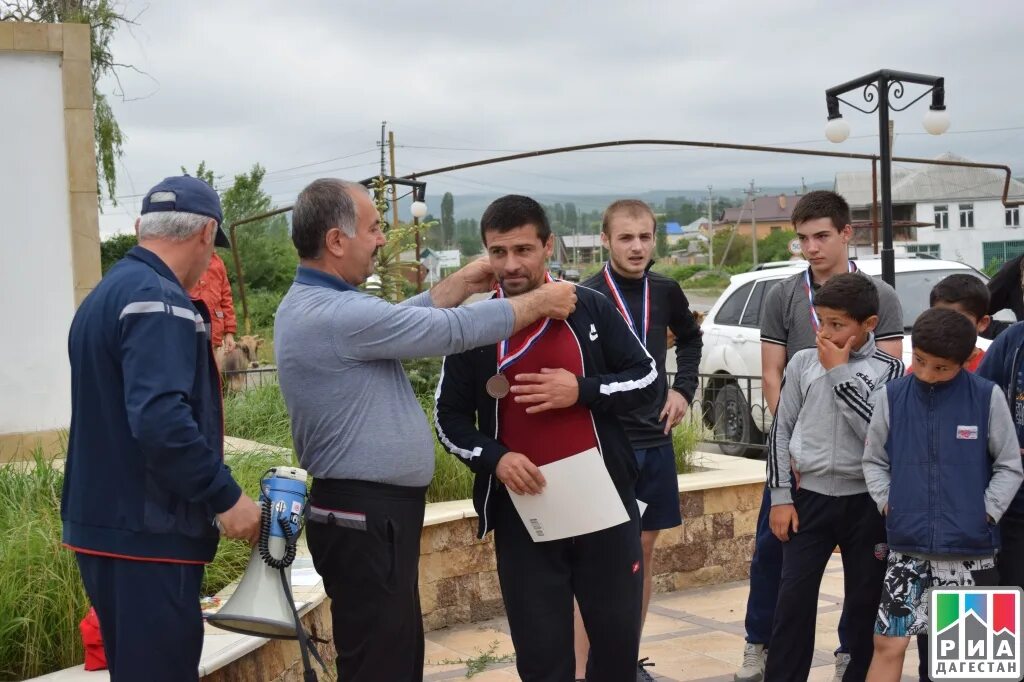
(308, 674)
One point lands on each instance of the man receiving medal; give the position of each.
(550, 391)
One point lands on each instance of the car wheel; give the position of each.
(734, 428)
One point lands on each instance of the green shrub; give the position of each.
(41, 595)
(685, 272)
(453, 480)
(233, 555)
(685, 439)
(258, 414)
(262, 308)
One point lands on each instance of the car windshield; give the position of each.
(913, 289)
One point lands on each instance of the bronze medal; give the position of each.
(497, 386)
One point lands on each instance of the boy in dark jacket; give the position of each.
(553, 388)
(819, 429)
(1004, 364)
(941, 462)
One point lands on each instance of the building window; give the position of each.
(926, 249)
(996, 253)
(776, 228)
(1013, 217)
(966, 216)
(942, 217)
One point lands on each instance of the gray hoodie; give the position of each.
(822, 420)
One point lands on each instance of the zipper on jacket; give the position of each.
(835, 448)
(933, 456)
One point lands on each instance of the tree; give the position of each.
(448, 218)
(570, 217)
(104, 19)
(264, 247)
(775, 246)
(559, 214)
(661, 241)
(469, 245)
(113, 249)
(732, 249)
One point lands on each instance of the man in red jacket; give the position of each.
(214, 289)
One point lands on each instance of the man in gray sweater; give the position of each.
(357, 426)
(818, 434)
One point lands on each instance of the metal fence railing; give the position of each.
(244, 379)
(732, 408)
(734, 411)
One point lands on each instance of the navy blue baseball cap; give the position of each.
(188, 195)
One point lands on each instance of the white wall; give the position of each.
(965, 245)
(35, 251)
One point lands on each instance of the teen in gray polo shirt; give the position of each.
(788, 325)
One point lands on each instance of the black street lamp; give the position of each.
(883, 85)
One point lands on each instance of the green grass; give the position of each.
(233, 555)
(41, 595)
(452, 480)
(258, 414)
(685, 439)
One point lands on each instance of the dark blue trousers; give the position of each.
(149, 616)
(765, 575)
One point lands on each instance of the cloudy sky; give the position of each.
(302, 87)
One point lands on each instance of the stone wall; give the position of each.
(459, 583)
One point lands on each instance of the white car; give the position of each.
(731, 398)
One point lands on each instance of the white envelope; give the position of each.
(579, 498)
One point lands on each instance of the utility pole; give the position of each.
(711, 232)
(752, 193)
(383, 148)
(394, 187)
(576, 244)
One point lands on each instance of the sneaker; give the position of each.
(752, 669)
(641, 674)
(842, 662)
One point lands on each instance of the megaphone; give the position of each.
(262, 604)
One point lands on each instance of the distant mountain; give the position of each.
(473, 205)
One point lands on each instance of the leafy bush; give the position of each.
(233, 555)
(262, 308)
(41, 595)
(113, 249)
(685, 272)
(258, 414)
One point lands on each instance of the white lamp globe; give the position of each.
(418, 209)
(936, 121)
(837, 130)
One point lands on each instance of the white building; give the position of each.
(962, 207)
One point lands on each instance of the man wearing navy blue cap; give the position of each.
(145, 486)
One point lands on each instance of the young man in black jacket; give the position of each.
(503, 410)
(651, 304)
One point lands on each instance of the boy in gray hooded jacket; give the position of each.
(817, 441)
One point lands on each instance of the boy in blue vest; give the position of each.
(941, 462)
(819, 429)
